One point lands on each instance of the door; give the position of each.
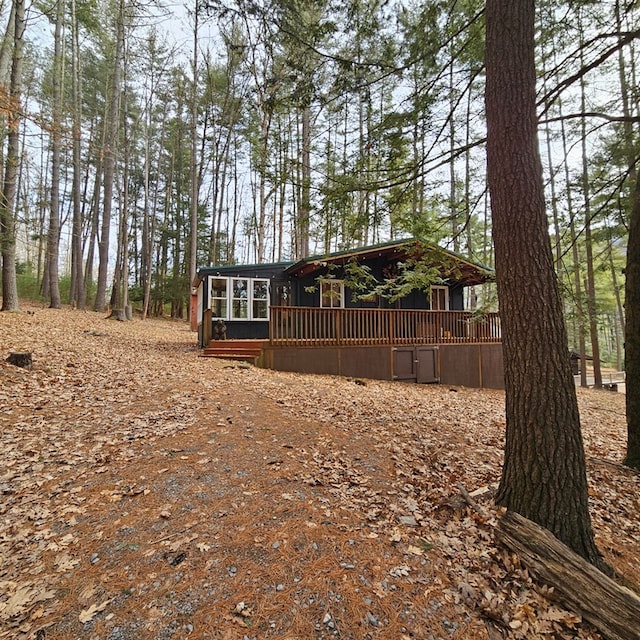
(419, 364)
(427, 365)
(404, 363)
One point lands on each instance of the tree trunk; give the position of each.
(118, 314)
(632, 333)
(8, 194)
(261, 218)
(150, 207)
(195, 181)
(95, 221)
(123, 232)
(590, 285)
(632, 275)
(77, 290)
(453, 181)
(304, 210)
(544, 474)
(111, 142)
(575, 258)
(6, 52)
(53, 235)
(618, 317)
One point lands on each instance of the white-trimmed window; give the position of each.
(439, 298)
(331, 294)
(260, 297)
(239, 298)
(218, 298)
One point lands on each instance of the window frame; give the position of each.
(239, 302)
(234, 302)
(224, 300)
(438, 288)
(258, 300)
(339, 296)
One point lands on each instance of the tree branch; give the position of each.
(590, 114)
(549, 98)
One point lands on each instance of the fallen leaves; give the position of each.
(86, 615)
(185, 497)
(21, 598)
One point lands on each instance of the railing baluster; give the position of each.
(293, 326)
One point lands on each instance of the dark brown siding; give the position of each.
(460, 365)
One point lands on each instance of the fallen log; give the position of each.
(579, 586)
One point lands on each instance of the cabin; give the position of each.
(392, 311)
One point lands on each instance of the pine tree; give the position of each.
(544, 473)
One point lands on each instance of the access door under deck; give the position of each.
(416, 363)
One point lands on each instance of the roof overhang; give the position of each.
(467, 272)
(268, 269)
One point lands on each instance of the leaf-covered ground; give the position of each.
(149, 493)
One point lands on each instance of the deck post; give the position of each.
(206, 327)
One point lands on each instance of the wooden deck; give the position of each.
(375, 343)
(310, 326)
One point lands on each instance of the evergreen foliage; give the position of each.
(321, 126)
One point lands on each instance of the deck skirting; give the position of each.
(470, 365)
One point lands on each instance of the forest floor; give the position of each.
(150, 493)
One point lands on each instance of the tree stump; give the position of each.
(21, 359)
(128, 312)
(118, 314)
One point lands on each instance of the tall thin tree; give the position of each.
(112, 122)
(77, 291)
(53, 234)
(8, 193)
(195, 174)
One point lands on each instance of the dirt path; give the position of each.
(149, 493)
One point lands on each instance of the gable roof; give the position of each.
(468, 272)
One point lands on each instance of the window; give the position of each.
(239, 298)
(218, 298)
(439, 298)
(331, 294)
(260, 309)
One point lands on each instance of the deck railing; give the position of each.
(310, 326)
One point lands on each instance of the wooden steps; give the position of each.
(244, 350)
